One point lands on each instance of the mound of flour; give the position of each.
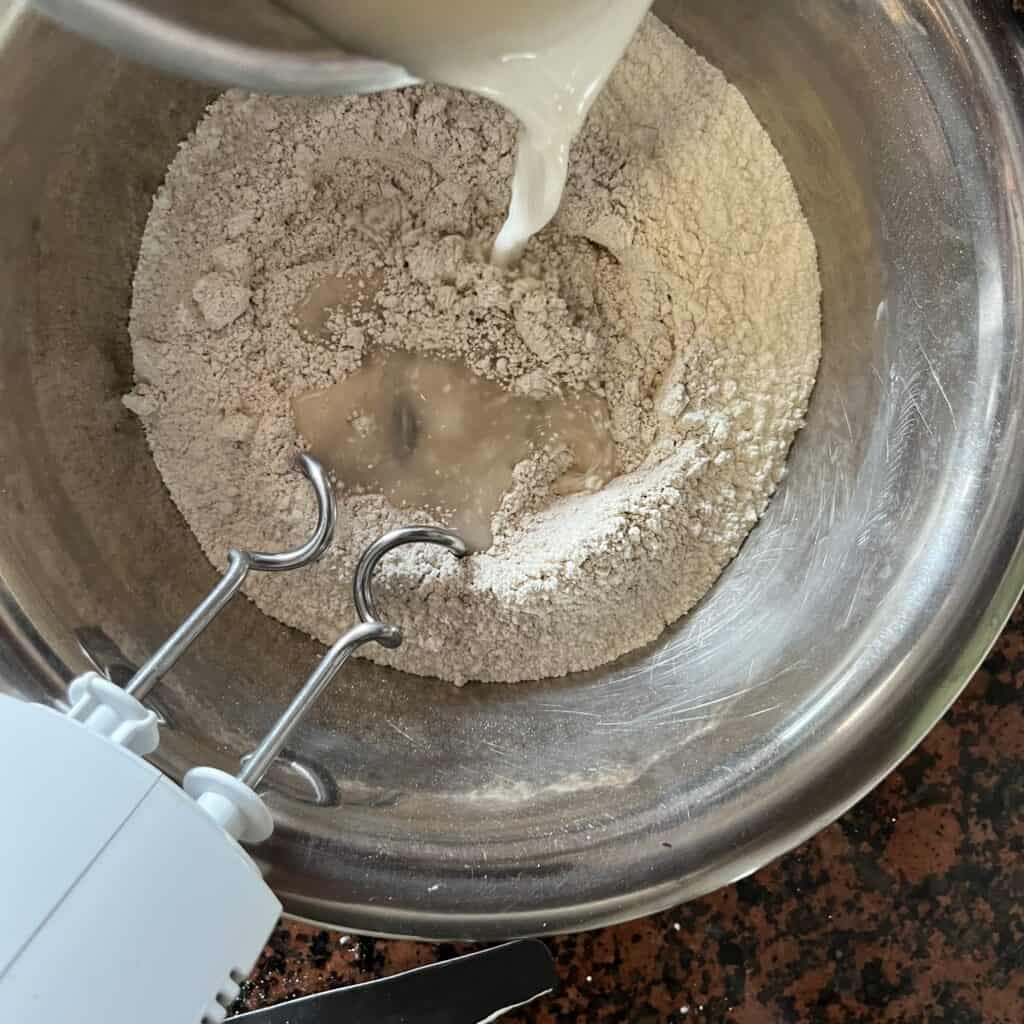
(678, 281)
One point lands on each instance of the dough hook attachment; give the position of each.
(370, 628)
(240, 562)
(232, 801)
(119, 713)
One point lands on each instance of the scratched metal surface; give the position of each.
(851, 618)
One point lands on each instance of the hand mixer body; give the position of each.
(122, 899)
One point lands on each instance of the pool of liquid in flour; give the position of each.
(430, 433)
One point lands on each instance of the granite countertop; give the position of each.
(909, 908)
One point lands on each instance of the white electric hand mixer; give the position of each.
(89, 826)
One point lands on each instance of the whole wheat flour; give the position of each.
(678, 282)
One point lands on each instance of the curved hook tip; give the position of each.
(308, 465)
(323, 534)
(392, 638)
(361, 589)
(458, 547)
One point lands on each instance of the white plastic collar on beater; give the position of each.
(109, 711)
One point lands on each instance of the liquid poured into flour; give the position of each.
(430, 433)
(545, 62)
(347, 292)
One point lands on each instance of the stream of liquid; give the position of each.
(543, 60)
(430, 433)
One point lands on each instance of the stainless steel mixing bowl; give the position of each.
(854, 614)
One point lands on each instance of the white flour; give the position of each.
(678, 281)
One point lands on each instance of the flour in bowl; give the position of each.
(295, 241)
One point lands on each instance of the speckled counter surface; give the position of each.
(910, 908)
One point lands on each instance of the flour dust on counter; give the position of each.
(299, 243)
